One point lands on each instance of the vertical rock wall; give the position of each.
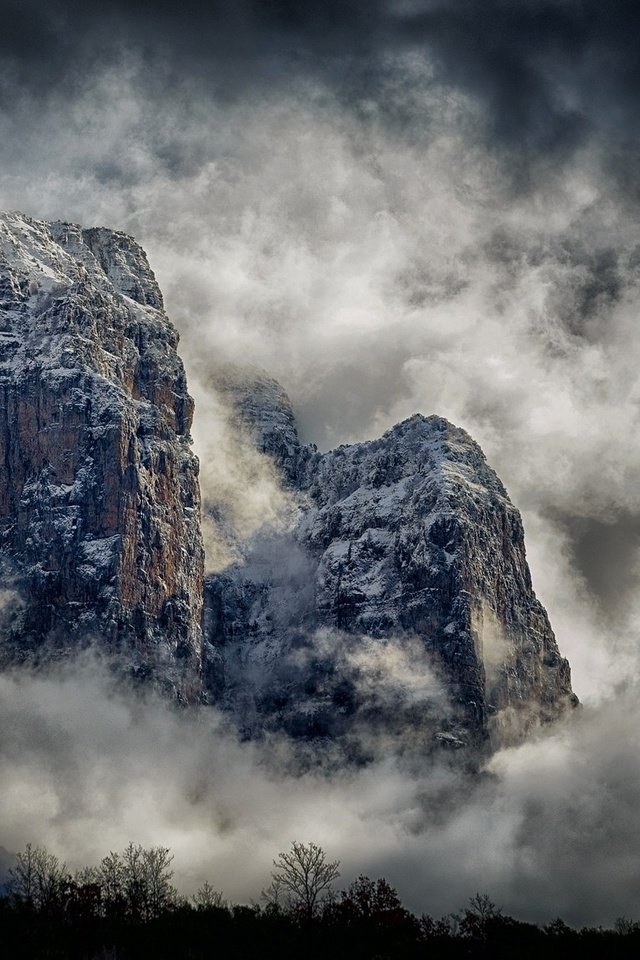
(397, 608)
(99, 499)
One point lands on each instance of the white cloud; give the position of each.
(549, 829)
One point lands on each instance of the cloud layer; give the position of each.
(551, 828)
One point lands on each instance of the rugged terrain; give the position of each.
(393, 610)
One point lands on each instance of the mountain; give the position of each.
(99, 500)
(392, 611)
(397, 610)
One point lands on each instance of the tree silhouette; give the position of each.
(476, 918)
(302, 878)
(38, 878)
(207, 897)
(373, 901)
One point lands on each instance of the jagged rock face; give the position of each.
(401, 602)
(99, 500)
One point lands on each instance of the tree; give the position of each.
(207, 897)
(137, 882)
(438, 930)
(557, 928)
(302, 878)
(160, 894)
(476, 918)
(38, 878)
(85, 895)
(110, 876)
(372, 901)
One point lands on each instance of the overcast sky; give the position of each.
(393, 207)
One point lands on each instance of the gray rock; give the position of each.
(399, 611)
(394, 615)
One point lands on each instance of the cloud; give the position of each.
(550, 828)
(547, 78)
(242, 493)
(363, 698)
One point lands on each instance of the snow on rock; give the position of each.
(395, 612)
(410, 543)
(263, 409)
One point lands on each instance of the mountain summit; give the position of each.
(408, 610)
(394, 610)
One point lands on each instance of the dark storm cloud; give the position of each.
(232, 44)
(547, 75)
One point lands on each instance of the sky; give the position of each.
(393, 207)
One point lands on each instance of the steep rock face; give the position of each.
(401, 603)
(99, 498)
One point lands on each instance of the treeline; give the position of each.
(127, 907)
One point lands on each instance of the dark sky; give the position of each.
(547, 78)
(546, 75)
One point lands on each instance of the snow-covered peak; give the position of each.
(407, 550)
(38, 257)
(125, 264)
(420, 453)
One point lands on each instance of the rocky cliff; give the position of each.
(398, 608)
(99, 500)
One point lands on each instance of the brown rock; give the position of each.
(99, 497)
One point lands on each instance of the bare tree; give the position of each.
(302, 878)
(38, 877)
(22, 877)
(160, 894)
(110, 876)
(137, 881)
(476, 918)
(207, 898)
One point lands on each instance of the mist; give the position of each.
(389, 219)
(548, 829)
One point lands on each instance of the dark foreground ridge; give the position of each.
(393, 612)
(126, 908)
